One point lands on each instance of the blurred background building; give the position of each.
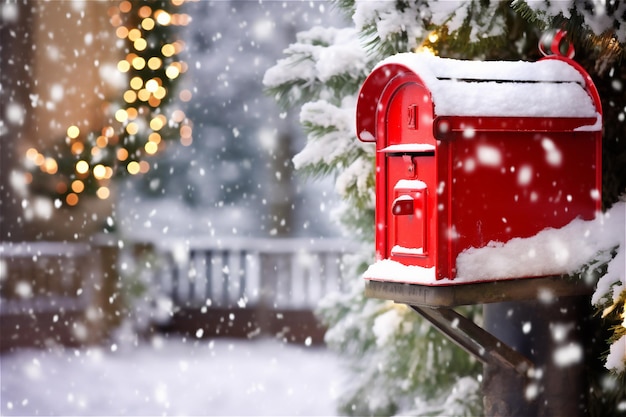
(81, 250)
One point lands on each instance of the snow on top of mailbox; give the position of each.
(547, 88)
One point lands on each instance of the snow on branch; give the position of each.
(600, 17)
(404, 24)
(331, 133)
(320, 61)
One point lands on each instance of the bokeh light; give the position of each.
(137, 127)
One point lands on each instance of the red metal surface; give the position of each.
(471, 180)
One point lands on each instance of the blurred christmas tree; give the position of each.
(400, 363)
(85, 163)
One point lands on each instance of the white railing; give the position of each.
(40, 277)
(54, 278)
(235, 273)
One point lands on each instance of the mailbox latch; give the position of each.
(410, 162)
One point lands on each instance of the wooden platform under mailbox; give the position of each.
(436, 304)
(449, 296)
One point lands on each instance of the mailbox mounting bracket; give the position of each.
(474, 339)
(436, 304)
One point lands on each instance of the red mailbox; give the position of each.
(470, 152)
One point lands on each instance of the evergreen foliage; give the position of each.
(390, 349)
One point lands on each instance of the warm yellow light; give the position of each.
(71, 199)
(73, 132)
(50, 166)
(423, 49)
(172, 72)
(139, 63)
(115, 19)
(103, 193)
(154, 102)
(133, 167)
(121, 115)
(132, 113)
(78, 186)
(145, 11)
(140, 44)
(136, 83)
(163, 17)
(77, 148)
(154, 137)
(155, 63)
(109, 172)
(102, 141)
(121, 32)
(39, 159)
(122, 154)
(147, 23)
(134, 34)
(130, 96)
(160, 93)
(132, 128)
(152, 85)
(125, 6)
(32, 153)
(156, 123)
(108, 131)
(123, 66)
(99, 172)
(143, 94)
(82, 167)
(168, 50)
(95, 151)
(151, 148)
(433, 37)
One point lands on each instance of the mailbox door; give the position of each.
(410, 171)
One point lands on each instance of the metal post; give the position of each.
(550, 335)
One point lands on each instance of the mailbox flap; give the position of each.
(403, 185)
(409, 148)
(409, 212)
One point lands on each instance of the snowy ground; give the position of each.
(218, 377)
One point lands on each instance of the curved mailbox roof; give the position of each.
(546, 88)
